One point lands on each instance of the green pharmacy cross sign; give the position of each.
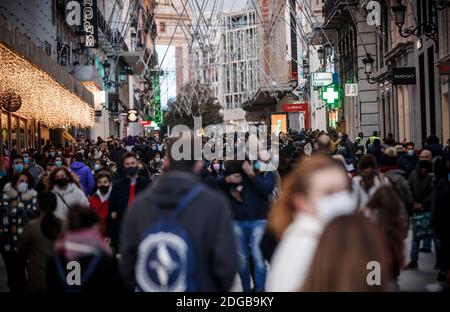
(330, 95)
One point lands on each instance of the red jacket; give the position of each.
(101, 209)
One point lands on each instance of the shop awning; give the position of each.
(47, 92)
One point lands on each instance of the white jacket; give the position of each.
(291, 260)
(72, 196)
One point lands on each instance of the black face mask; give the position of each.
(61, 182)
(131, 171)
(103, 189)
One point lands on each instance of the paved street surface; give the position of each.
(409, 280)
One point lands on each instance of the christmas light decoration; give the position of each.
(43, 98)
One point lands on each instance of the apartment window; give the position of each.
(162, 27)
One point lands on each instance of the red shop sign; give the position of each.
(300, 107)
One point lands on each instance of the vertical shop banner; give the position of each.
(90, 24)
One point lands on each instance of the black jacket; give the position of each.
(118, 203)
(105, 277)
(206, 220)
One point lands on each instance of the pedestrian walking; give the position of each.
(124, 192)
(368, 180)
(84, 174)
(83, 243)
(99, 200)
(18, 206)
(193, 248)
(68, 191)
(346, 247)
(36, 246)
(250, 190)
(316, 192)
(421, 184)
(386, 210)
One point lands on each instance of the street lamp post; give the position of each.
(368, 62)
(427, 28)
(109, 82)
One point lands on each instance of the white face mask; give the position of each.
(335, 205)
(22, 187)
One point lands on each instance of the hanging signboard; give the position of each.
(132, 115)
(321, 79)
(83, 14)
(404, 76)
(351, 89)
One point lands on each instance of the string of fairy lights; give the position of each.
(43, 98)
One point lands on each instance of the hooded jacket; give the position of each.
(72, 196)
(35, 170)
(401, 186)
(16, 210)
(206, 220)
(85, 175)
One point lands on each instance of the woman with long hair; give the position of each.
(349, 247)
(368, 179)
(36, 245)
(387, 211)
(67, 189)
(313, 194)
(17, 207)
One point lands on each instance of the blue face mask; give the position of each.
(257, 165)
(58, 163)
(18, 168)
(96, 167)
(26, 160)
(2, 173)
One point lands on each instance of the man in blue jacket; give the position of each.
(84, 173)
(250, 208)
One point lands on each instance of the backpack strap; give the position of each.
(186, 200)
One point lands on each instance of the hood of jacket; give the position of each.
(171, 187)
(395, 175)
(13, 193)
(77, 165)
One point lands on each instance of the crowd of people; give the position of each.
(137, 218)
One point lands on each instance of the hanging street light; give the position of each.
(427, 28)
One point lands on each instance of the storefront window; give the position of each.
(4, 133)
(30, 134)
(22, 131)
(14, 127)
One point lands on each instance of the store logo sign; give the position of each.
(132, 115)
(404, 76)
(83, 13)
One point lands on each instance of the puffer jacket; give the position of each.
(84, 173)
(67, 198)
(16, 210)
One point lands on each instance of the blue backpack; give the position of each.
(165, 258)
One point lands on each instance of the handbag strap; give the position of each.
(62, 198)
